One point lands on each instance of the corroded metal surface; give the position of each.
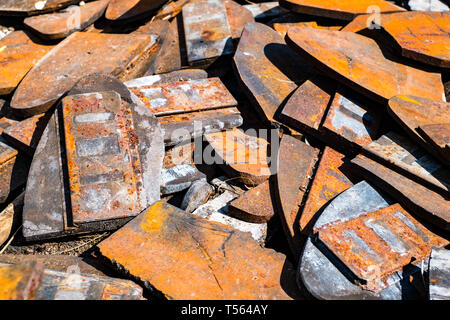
(295, 165)
(238, 16)
(254, 205)
(171, 9)
(422, 36)
(358, 62)
(439, 274)
(265, 10)
(207, 31)
(217, 258)
(329, 181)
(268, 68)
(241, 155)
(416, 198)
(179, 177)
(18, 54)
(80, 54)
(61, 24)
(282, 28)
(6, 123)
(378, 244)
(351, 122)
(400, 153)
(185, 96)
(174, 76)
(131, 9)
(412, 112)
(7, 216)
(13, 170)
(335, 9)
(32, 7)
(20, 282)
(438, 136)
(181, 127)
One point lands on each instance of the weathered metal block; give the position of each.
(329, 181)
(422, 36)
(369, 72)
(80, 54)
(185, 96)
(6, 123)
(238, 16)
(268, 68)
(413, 113)
(351, 122)
(206, 31)
(378, 244)
(119, 10)
(31, 7)
(282, 28)
(217, 258)
(18, 53)
(13, 170)
(416, 198)
(240, 155)
(439, 274)
(296, 160)
(61, 24)
(401, 154)
(20, 282)
(265, 10)
(171, 9)
(255, 205)
(174, 76)
(342, 10)
(438, 136)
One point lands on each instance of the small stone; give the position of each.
(197, 194)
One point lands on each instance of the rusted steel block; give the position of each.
(76, 56)
(240, 155)
(418, 199)
(439, 274)
(238, 16)
(413, 113)
(47, 211)
(186, 126)
(422, 36)
(185, 96)
(319, 272)
(171, 9)
(6, 123)
(254, 205)
(282, 28)
(342, 10)
(369, 72)
(31, 7)
(351, 122)
(268, 68)
(7, 216)
(20, 282)
(207, 32)
(265, 10)
(19, 52)
(61, 24)
(13, 170)
(329, 180)
(359, 23)
(296, 160)
(378, 244)
(119, 10)
(216, 257)
(307, 106)
(174, 76)
(438, 136)
(403, 155)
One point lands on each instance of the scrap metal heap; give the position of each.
(215, 149)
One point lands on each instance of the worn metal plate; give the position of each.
(439, 274)
(20, 282)
(412, 112)
(13, 170)
(217, 258)
(378, 244)
(401, 154)
(307, 106)
(131, 9)
(268, 68)
(254, 205)
(206, 31)
(6, 123)
(185, 96)
(359, 23)
(295, 167)
(438, 136)
(265, 10)
(19, 52)
(238, 16)
(351, 122)
(335, 9)
(319, 273)
(283, 27)
(61, 24)
(171, 9)
(329, 181)
(174, 76)
(422, 36)
(80, 54)
(32, 7)
(418, 199)
(186, 126)
(241, 155)
(369, 72)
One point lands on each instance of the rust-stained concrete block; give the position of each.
(201, 260)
